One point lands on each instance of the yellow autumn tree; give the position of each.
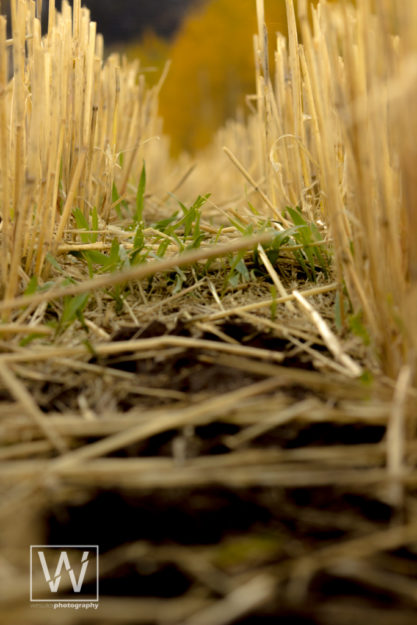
(212, 67)
(153, 53)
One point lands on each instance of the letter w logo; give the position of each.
(64, 561)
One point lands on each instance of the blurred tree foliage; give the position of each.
(212, 67)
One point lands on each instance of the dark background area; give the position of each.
(125, 20)
(129, 19)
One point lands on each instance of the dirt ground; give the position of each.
(226, 472)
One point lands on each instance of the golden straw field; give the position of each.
(208, 343)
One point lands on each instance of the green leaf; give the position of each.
(367, 378)
(253, 210)
(196, 242)
(52, 261)
(342, 299)
(162, 248)
(73, 307)
(238, 271)
(114, 194)
(338, 313)
(180, 278)
(306, 234)
(164, 223)
(117, 296)
(358, 327)
(96, 257)
(139, 239)
(243, 270)
(140, 196)
(124, 259)
(111, 262)
(191, 217)
(32, 286)
(114, 252)
(82, 224)
(115, 197)
(29, 338)
(94, 224)
(241, 227)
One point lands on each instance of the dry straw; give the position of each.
(333, 133)
(71, 125)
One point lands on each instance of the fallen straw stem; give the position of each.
(352, 368)
(139, 272)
